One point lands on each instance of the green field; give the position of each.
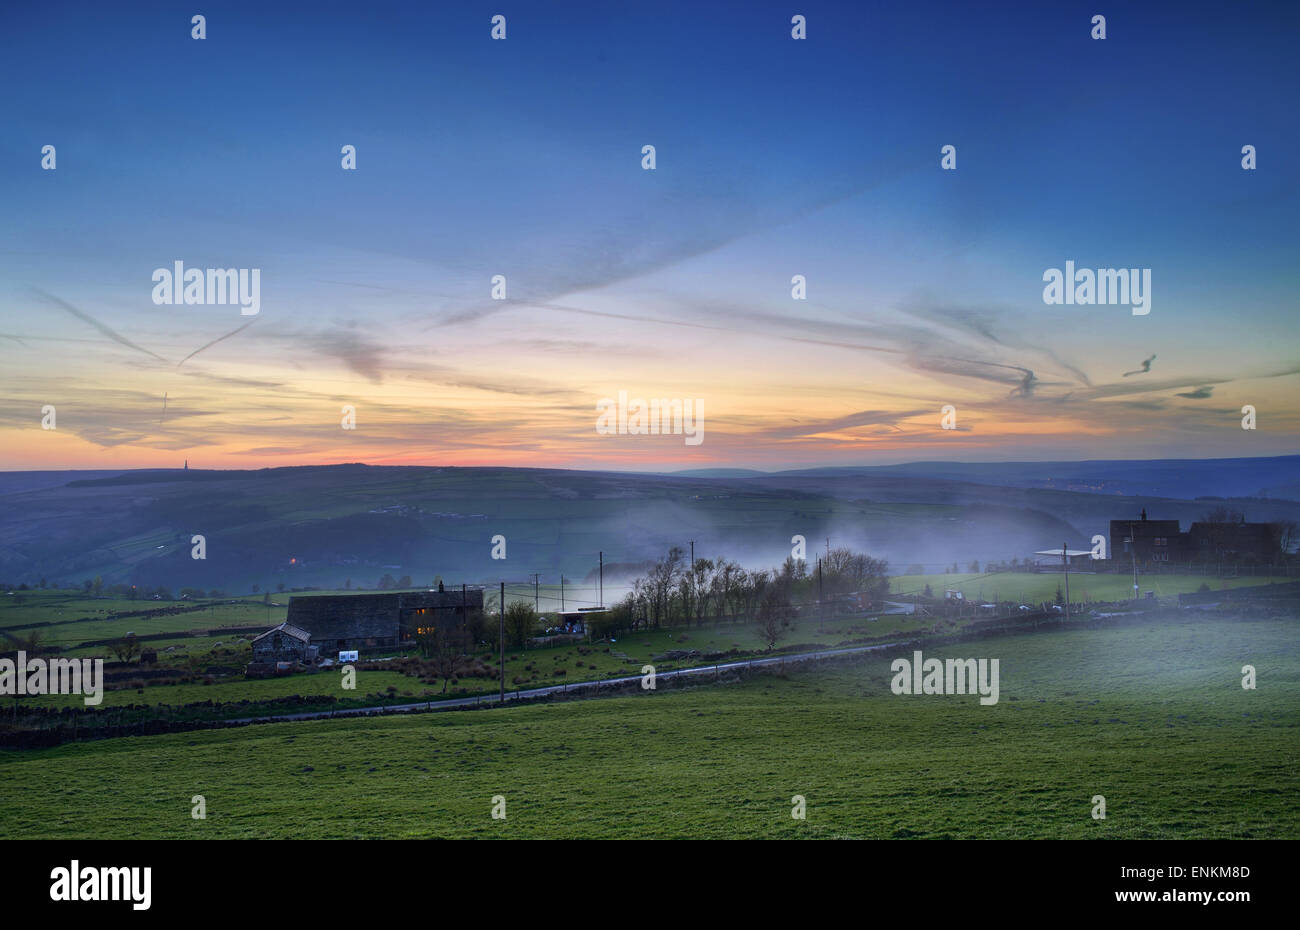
(1152, 717)
(524, 668)
(74, 618)
(1035, 588)
(234, 690)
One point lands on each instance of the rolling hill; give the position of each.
(325, 525)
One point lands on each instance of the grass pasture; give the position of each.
(1035, 588)
(1152, 717)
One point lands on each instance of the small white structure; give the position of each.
(349, 655)
(1055, 558)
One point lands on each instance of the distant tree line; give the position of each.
(674, 593)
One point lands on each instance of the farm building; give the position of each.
(370, 621)
(575, 621)
(1164, 541)
(280, 647)
(1234, 541)
(1147, 540)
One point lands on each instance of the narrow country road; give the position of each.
(490, 699)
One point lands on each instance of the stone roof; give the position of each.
(287, 630)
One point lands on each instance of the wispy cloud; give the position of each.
(1146, 367)
(103, 328)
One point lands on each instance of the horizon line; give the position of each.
(680, 471)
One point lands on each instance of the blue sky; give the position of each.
(522, 157)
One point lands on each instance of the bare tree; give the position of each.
(661, 583)
(29, 642)
(793, 570)
(728, 579)
(846, 571)
(774, 614)
(702, 577)
(126, 648)
(448, 648)
(751, 591)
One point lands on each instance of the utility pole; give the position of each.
(602, 579)
(502, 642)
(561, 592)
(821, 611)
(1065, 564)
(692, 613)
(1132, 548)
(537, 602)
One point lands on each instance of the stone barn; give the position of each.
(379, 621)
(280, 647)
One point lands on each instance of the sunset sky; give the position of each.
(522, 157)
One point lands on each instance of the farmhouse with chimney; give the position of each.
(1164, 541)
(379, 621)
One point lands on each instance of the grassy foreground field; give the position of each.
(1153, 717)
(1036, 587)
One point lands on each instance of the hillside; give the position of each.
(326, 525)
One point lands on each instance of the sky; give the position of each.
(775, 157)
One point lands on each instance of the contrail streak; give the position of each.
(214, 342)
(111, 334)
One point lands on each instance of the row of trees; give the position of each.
(479, 629)
(96, 587)
(389, 583)
(676, 593)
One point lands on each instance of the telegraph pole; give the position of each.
(1065, 565)
(1133, 551)
(502, 642)
(821, 611)
(537, 603)
(561, 592)
(688, 619)
(602, 579)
